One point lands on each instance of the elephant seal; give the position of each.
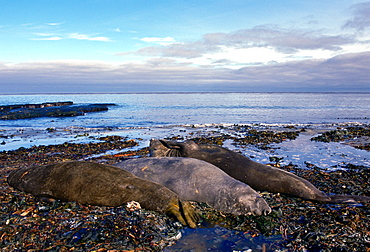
(197, 180)
(99, 184)
(260, 177)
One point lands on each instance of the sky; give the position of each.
(118, 46)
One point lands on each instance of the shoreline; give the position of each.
(297, 151)
(295, 224)
(22, 135)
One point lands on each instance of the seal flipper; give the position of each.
(47, 199)
(184, 212)
(348, 199)
(191, 217)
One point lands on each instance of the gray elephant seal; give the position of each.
(196, 180)
(99, 184)
(258, 176)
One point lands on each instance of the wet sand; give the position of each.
(294, 225)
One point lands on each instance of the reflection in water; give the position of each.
(222, 239)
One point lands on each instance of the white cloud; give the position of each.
(246, 56)
(43, 34)
(50, 38)
(160, 41)
(55, 24)
(86, 37)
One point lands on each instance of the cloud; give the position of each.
(361, 16)
(286, 41)
(160, 41)
(162, 62)
(46, 36)
(27, 24)
(50, 38)
(180, 50)
(86, 37)
(177, 50)
(343, 71)
(55, 24)
(284, 45)
(78, 36)
(43, 34)
(348, 72)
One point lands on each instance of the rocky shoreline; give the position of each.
(297, 225)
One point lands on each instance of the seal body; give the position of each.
(258, 176)
(197, 180)
(99, 184)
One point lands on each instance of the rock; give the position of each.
(50, 109)
(41, 105)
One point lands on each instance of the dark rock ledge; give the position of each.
(49, 109)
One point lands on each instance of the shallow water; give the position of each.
(302, 152)
(222, 239)
(324, 155)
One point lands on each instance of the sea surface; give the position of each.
(157, 115)
(165, 109)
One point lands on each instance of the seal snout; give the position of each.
(262, 208)
(252, 205)
(160, 148)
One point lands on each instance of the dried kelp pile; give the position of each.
(27, 223)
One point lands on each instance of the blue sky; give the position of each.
(145, 46)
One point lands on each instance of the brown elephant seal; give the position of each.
(99, 184)
(197, 180)
(258, 176)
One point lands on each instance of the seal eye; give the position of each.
(130, 187)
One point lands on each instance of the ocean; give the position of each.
(168, 109)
